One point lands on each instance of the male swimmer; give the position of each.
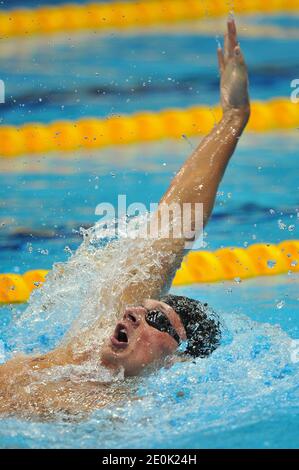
(152, 325)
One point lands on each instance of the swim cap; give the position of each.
(200, 322)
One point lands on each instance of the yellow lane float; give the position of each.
(120, 15)
(260, 259)
(93, 133)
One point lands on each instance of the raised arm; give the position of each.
(199, 178)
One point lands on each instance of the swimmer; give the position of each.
(153, 324)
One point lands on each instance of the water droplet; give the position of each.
(188, 140)
(281, 225)
(68, 250)
(271, 263)
(238, 280)
(280, 304)
(291, 228)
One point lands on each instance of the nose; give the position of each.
(132, 317)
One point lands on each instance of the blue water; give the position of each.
(149, 73)
(246, 394)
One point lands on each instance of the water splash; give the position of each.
(251, 375)
(86, 289)
(247, 379)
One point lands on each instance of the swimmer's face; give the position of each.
(135, 343)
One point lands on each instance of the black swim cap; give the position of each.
(200, 322)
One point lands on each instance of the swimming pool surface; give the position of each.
(246, 394)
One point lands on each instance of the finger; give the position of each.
(220, 59)
(226, 40)
(232, 37)
(233, 25)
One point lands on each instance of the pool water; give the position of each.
(246, 393)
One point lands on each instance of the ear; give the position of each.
(169, 361)
(178, 357)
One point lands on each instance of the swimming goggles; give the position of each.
(160, 321)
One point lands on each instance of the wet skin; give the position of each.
(21, 393)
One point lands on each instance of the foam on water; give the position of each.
(83, 293)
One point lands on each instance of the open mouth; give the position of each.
(120, 337)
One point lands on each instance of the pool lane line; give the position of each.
(259, 259)
(123, 15)
(93, 133)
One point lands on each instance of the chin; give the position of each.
(115, 359)
(111, 357)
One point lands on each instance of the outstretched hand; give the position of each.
(233, 72)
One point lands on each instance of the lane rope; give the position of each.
(260, 259)
(95, 133)
(120, 15)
